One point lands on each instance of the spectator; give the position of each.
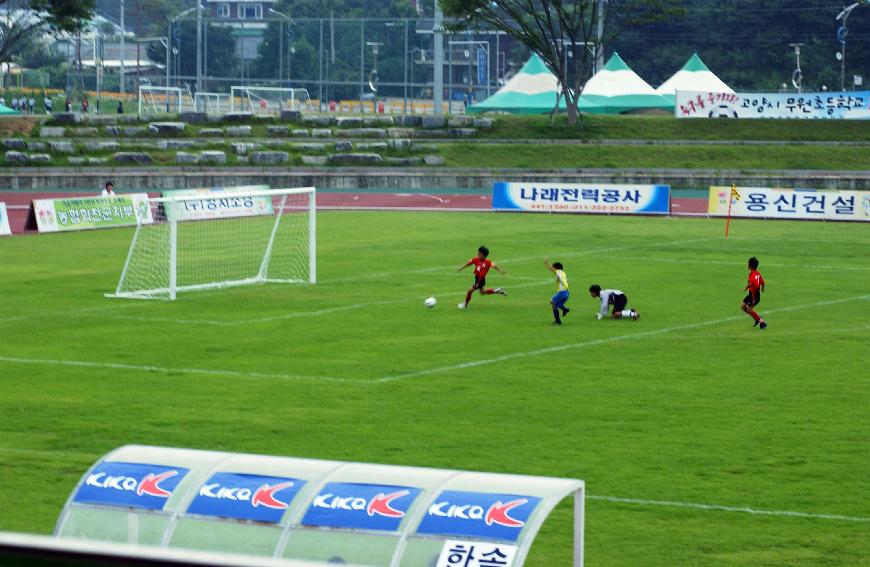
(85, 104)
(120, 107)
(109, 191)
(67, 105)
(49, 106)
(14, 103)
(32, 104)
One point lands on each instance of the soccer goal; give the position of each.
(268, 100)
(222, 239)
(212, 103)
(162, 100)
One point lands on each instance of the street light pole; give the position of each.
(123, 33)
(198, 45)
(841, 36)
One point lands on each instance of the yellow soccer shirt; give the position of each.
(561, 281)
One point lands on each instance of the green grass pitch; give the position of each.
(689, 405)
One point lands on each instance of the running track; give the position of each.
(19, 204)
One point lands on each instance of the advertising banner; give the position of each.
(702, 104)
(245, 497)
(476, 554)
(83, 213)
(478, 514)
(219, 203)
(588, 198)
(5, 230)
(760, 202)
(360, 506)
(130, 485)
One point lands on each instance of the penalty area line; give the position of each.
(723, 508)
(596, 342)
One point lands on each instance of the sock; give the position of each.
(754, 315)
(556, 314)
(488, 291)
(468, 297)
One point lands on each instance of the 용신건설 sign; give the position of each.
(803, 204)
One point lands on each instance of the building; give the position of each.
(248, 20)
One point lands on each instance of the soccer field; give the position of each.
(702, 440)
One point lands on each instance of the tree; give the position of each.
(221, 50)
(552, 27)
(38, 18)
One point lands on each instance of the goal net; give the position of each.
(162, 100)
(212, 103)
(268, 101)
(205, 239)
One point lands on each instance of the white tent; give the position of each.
(534, 90)
(617, 89)
(694, 76)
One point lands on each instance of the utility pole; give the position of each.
(199, 45)
(599, 48)
(438, 78)
(123, 33)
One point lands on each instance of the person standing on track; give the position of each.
(481, 268)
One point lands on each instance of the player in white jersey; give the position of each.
(562, 295)
(615, 298)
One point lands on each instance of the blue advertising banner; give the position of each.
(130, 485)
(595, 199)
(482, 66)
(478, 514)
(245, 497)
(360, 506)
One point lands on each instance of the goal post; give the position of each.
(211, 103)
(267, 100)
(161, 100)
(212, 240)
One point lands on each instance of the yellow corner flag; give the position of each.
(734, 193)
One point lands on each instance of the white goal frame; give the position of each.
(299, 98)
(152, 106)
(212, 103)
(170, 204)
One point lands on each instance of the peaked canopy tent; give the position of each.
(617, 89)
(6, 111)
(533, 90)
(694, 76)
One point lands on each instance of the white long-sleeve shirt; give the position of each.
(607, 296)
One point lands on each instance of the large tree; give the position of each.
(25, 20)
(551, 28)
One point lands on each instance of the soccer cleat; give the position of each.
(500, 291)
(565, 311)
(461, 306)
(756, 323)
(557, 322)
(763, 324)
(635, 315)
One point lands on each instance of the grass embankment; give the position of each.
(763, 157)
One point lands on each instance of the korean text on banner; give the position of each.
(219, 203)
(457, 553)
(804, 204)
(5, 230)
(60, 215)
(703, 104)
(597, 199)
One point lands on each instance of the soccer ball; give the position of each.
(430, 303)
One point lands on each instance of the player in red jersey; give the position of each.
(753, 298)
(481, 268)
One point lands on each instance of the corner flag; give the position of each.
(735, 196)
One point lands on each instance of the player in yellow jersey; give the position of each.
(558, 300)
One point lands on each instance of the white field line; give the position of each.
(796, 266)
(721, 508)
(708, 336)
(595, 342)
(298, 314)
(169, 370)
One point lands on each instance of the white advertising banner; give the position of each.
(83, 213)
(456, 553)
(802, 204)
(5, 230)
(608, 199)
(219, 203)
(842, 105)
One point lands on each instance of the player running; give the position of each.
(558, 301)
(481, 268)
(753, 298)
(615, 298)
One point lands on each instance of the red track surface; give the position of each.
(19, 204)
